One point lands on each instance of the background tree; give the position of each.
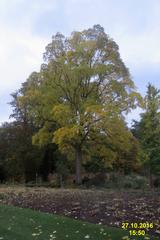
(129, 160)
(148, 131)
(22, 156)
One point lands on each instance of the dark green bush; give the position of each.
(134, 181)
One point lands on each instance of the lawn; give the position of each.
(26, 224)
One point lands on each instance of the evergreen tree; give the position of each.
(148, 131)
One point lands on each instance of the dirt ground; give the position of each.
(105, 207)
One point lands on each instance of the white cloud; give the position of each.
(21, 53)
(134, 25)
(20, 48)
(141, 50)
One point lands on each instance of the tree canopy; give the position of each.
(79, 97)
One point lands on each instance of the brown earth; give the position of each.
(105, 207)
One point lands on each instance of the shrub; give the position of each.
(134, 181)
(156, 182)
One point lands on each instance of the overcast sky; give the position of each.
(26, 28)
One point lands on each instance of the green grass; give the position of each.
(25, 224)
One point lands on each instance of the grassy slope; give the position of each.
(26, 224)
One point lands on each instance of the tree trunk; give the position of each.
(150, 179)
(78, 165)
(61, 180)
